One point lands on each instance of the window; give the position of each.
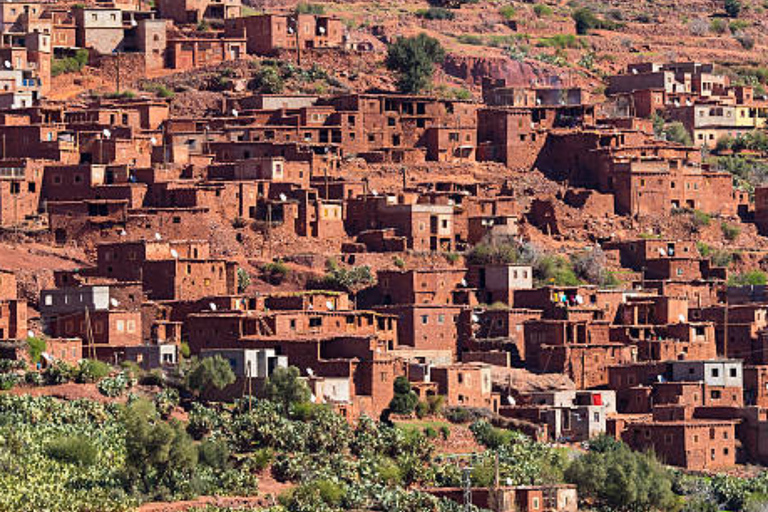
(441, 319)
(715, 372)
(424, 319)
(734, 372)
(715, 394)
(315, 321)
(120, 325)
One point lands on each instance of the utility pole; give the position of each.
(117, 78)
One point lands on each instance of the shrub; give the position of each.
(8, 380)
(262, 458)
(422, 409)
(700, 219)
(210, 373)
(751, 278)
(721, 258)
(732, 8)
(33, 378)
(117, 385)
(405, 400)
(214, 454)
(747, 41)
(435, 403)
(243, 280)
(586, 20)
(73, 449)
(309, 8)
(730, 232)
(58, 373)
(445, 432)
(458, 415)
(286, 388)
(399, 262)
(267, 80)
(435, 13)
(70, 64)
(470, 39)
(90, 370)
(676, 132)
(507, 12)
(413, 60)
(275, 271)
(452, 257)
(698, 27)
(36, 347)
(489, 436)
(542, 10)
(561, 41)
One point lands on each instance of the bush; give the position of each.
(747, 41)
(275, 271)
(698, 27)
(445, 432)
(90, 370)
(718, 26)
(36, 347)
(285, 387)
(117, 385)
(676, 132)
(33, 378)
(751, 278)
(435, 13)
(422, 409)
(507, 12)
(413, 60)
(458, 415)
(309, 8)
(70, 64)
(586, 20)
(267, 80)
(58, 373)
(733, 8)
(214, 454)
(74, 449)
(399, 262)
(561, 41)
(730, 232)
(8, 380)
(210, 373)
(542, 10)
(243, 280)
(405, 400)
(700, 219)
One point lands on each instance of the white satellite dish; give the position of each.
(158, 236)
(174, 253)
(313, 398)
(463, 282)
(123, 232)
(283, 197)
(579, 299)
(511, 401)
(212, 306)
(234, 113)
(329, 305)
(7, 64)
(30, 334)
(106, 132)
(662, 251)
(321, 30)
(634, 71)
(133, 23)
(310, 307)
(114, 302)
(681, 318)
(475, 318)
(374, 192)
(153, 141)
(688, 103)
(290, 30)
(310, 372)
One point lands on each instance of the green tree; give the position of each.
(405, 400)
(209, 373)
(267, 80)
(620, 479)
(585, 20)
(285, 387)
(733, 8)
(36, 347)
(676, 132)
(413, 59)
(243, 280)
(157, 453)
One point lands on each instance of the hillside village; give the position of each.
(223, 206)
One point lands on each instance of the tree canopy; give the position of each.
(414, 59)
(209, 373)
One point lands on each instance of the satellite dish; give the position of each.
(374, 193)
(158, 236)
(174, 253)
(310, 372)
(212, 306)
(7, 64)
(310, 307)
(688, 103)
(579, 299)
(681, 318)
(634, 71)
(511, 401)
(30, 334)
(329, 305)
(463, 282)
(106, 132)
(313, 398)
(123, 232)
(133, 23)
(475, 318)
(234, 113)
(114, 302)
(290, 30)
(283, 197)
(153, 141)
(677, 103)
(662, 251)
(321, 30)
